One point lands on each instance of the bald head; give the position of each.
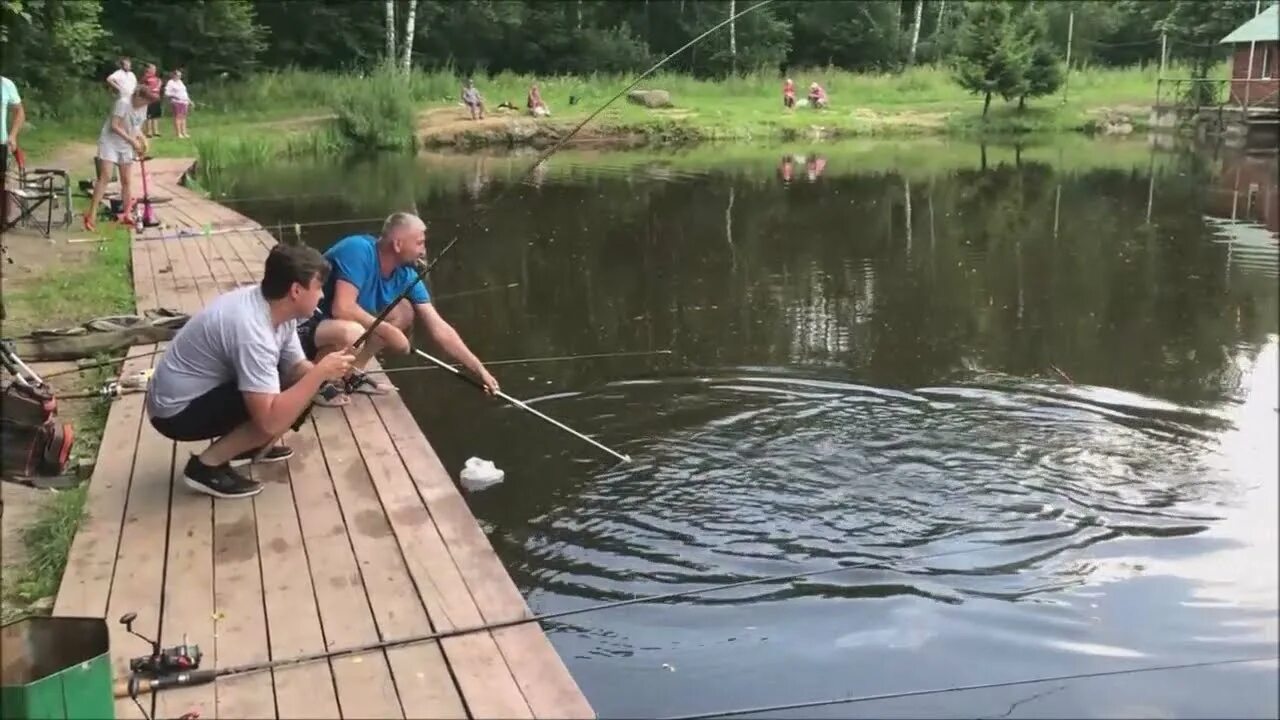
(404, 235)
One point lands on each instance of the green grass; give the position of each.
(378, 110)
(101, 285)
(48, 543)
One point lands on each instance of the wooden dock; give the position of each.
(362, 536)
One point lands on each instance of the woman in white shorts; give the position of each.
(119, 144)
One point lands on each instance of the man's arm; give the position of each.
(345, 307)
(273, 413)
(443, 334)
(19, 117)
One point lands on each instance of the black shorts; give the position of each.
(307, 335)
(212, 415)
(208, 417)
(153, 110)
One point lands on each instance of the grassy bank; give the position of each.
(80, 283)
(97, 284)
(259, 117)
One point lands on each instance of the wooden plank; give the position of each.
(477, 663)
(241, 623)
(363, 682)
(495, 594)
(392, 596)
(188, 588)
(86, 584)
(140, 562)
(538, 669)
(293, 617)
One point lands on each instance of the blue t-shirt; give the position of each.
(355, 260)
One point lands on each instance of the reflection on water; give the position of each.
(1062, 363)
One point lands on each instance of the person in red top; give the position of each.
(788, 94)
(817, 96)
(151, 79)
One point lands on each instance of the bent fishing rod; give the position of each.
(194, 676)
(425, 268)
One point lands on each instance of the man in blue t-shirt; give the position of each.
(367, 275)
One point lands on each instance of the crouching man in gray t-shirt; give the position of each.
(236, 372)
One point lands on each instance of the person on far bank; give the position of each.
(175, 91)
(789, 94)
(123, 82)
(817, 96)
(120, 143)
(369, 274)
(537, 107)
(474, 101)
(151, 79)
(235, 374)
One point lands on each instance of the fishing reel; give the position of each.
(162, 661)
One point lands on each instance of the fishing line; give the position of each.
(425, 268)
(205, 676)
(962, 688)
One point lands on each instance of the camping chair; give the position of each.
(36, 193)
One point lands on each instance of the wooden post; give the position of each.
(1248, 76)
(1066, 75)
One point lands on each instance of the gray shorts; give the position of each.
(118, 153)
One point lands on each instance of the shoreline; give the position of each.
(447, 127)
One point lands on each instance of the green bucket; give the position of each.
(57, 668)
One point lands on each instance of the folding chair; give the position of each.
(37, 193)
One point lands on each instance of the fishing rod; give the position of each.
(520, 404)
(425, 268)
(194, 676)
(962, 688)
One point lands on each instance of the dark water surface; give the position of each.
(1059, 360)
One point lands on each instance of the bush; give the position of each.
(378, 113)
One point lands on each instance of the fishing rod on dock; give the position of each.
(140, 683)
(520, 404)
(526, 361)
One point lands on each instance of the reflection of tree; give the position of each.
(1024, 268)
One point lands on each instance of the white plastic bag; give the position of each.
(479, 474)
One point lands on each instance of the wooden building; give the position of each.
(1255, 66)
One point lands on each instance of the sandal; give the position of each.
(360, 382)
(330, 395)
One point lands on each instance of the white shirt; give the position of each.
(125, 81)
(176, 91)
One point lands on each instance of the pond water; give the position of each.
(1059, 360)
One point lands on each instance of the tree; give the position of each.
(990, 57)
(1041, 74)
(406, 61)
(209, 37)
(50, 44)
(1198, 26)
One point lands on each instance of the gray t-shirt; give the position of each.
(230, 340)
(132, 118)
